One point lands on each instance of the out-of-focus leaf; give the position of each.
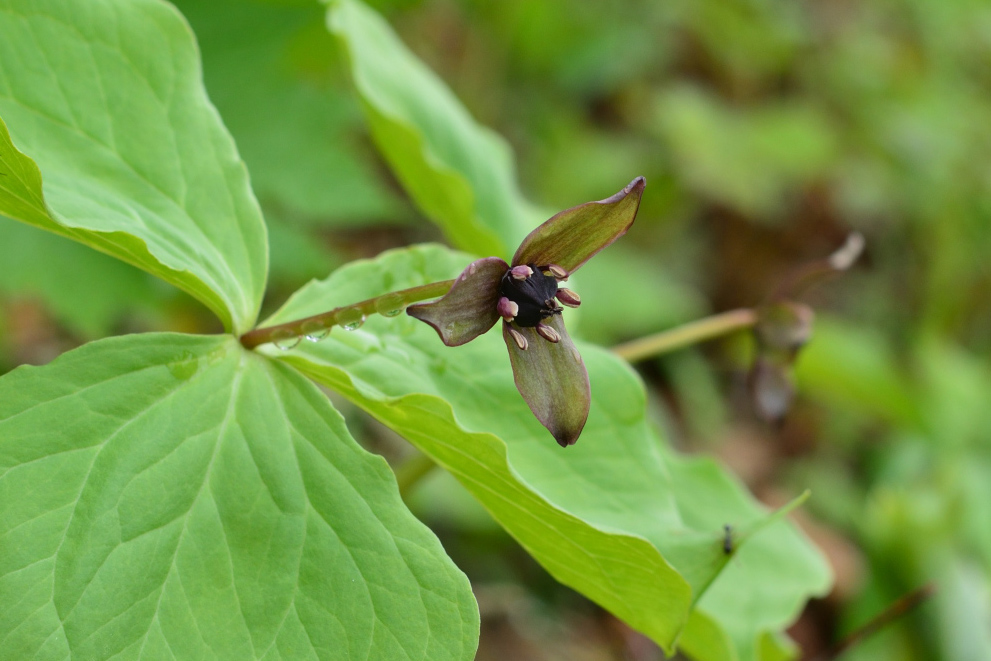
(459, 173)
(587, 49)
(605, 516)
(296, 255)
(854, 367)
(749, 40)
(269, 70)
(748, 160)
(560, 164)
(85, 290)
(200, 501)
(700, 395)
(957, 388)
(964, 609)
(439, 498)
(625, 294)
(113, 143)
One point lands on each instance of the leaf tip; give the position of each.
(567, 438)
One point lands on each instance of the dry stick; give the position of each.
(686, 335)
(901, 606)
(326, 320)
(811, 274)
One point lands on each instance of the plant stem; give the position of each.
(396, 300)
(412, 471)
(686, 335)
(815, 272)
(895, 610)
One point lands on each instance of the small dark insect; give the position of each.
(728, 539)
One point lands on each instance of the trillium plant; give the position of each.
(547, 368)
(168, 495)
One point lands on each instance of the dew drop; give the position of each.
(285, 340)
(185, 367)
(316, 336)
(314, 331)
(390, 305)
(350, 319)
(577, 356)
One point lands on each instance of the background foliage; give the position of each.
(766, 131)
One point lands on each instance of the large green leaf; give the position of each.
(172, 496)
(113, 143)
(459, 173)
(764, 586)
(611, 517)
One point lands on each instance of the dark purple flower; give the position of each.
(527, 295)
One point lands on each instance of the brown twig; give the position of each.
(805, 277)
(895, 610)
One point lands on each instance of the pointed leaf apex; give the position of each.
(572, 237)
(552, 378)
(470, 308)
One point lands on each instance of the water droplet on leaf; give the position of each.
(314, 331)
(285, 340)
(390, 305)
(350, 319)
(184, 368)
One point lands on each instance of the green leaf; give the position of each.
(460, 174)
(764, 586)
(269, 69)
(608, 516)
(750, 160)
(296, 255)
(113, 143)
(172, 496)
(855, 367)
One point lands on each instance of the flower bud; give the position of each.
(784, 325)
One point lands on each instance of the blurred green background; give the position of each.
(767, 131)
